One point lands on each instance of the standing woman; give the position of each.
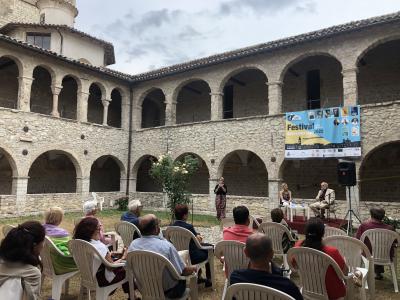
(220, 191)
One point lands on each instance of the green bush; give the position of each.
(122, 203)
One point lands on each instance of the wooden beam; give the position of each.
(293, 72)
(237, 81)
(193, 90)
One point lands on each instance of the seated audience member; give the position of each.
(90, 210)
(285, 195)
(133, 213)
(88, 229)
(196, 255)
(377, 215)
(325, 197)
(277, 217)
(60, 237)
(19, 257)
(240, 231)
(259, 251)
(314, 233)
(150, 240)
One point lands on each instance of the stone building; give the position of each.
(69, 125)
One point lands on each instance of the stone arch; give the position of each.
(41, 91)
(245, 92)
(95, 105)
(8, 170)
(378, 77)
(193, 101)
(199, 182)
(141, 168)
(49, 69)
(10, 70)
(379, 173)
(54, 171)
(106, 173)
(311, 81)
(245, 173)
(304, 176)
(115, 109)
(68, 97)
(153, 108)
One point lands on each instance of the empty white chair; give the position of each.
(312, 265)
(99, 200)
(234, 258)
(146, 268)
(84, 253)
(358, 257)
(49, 271)
(329, 231)
(180, 237)
(381, 242)
(275, 232)
(249, 291)
(126, 230)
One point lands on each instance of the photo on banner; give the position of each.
(325, 132)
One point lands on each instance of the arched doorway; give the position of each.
(105, 175)
(153, 109)
(144, 182)
(311, 83)
(114, 109)
(95, 104)
(52, 172)
(9, 74)
(305, 176)
(6, 174)
(41, 93)
(380, 174)
(199, 182)
(245, 94)
(67, 100)
(245, 174)
(378, 76)
(193, 102)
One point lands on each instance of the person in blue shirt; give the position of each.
(133, 213)
(196, 255)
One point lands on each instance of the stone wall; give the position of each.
(18, 11)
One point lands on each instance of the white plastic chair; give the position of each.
(84, 253)
(234, 258)
(358, 257)
(275, 232)
(180, 237)
(312, 265)
(381, 242)
(126, 230)
(99, 200)
(250, 291)
(145, 267)
(330, 231)
(48, 269)
(6, 229)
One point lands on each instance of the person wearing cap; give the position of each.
(133, 213)
(90, 210)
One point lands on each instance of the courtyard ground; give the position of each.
(208, 225)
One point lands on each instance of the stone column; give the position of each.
(170, 113)
(137, 117)
(275, 97)
(217, 106)
(82, 108)
(106, 103)
(82, 187)
(132, 185)
(56, 92)
(212, 183)
(125, 111)
(20, 189)
(24, 93)
(273, 192)
(350, 88)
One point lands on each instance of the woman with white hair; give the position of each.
(90, 210)
(133, 213)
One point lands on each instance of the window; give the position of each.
(228, 102)
(41, 40)
(313, 90)
(42, 18)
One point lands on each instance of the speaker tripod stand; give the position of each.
(349, 214)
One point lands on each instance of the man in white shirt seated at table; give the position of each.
(150, 240)
(325, 198)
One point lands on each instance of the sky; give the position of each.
(151, 34)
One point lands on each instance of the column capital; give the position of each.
(278, 83)
(21, 177)
(275, 180)
(105, 102)
(56, 89)
(350, 70)
(169, 103)
(216, 94)
(25, 78)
